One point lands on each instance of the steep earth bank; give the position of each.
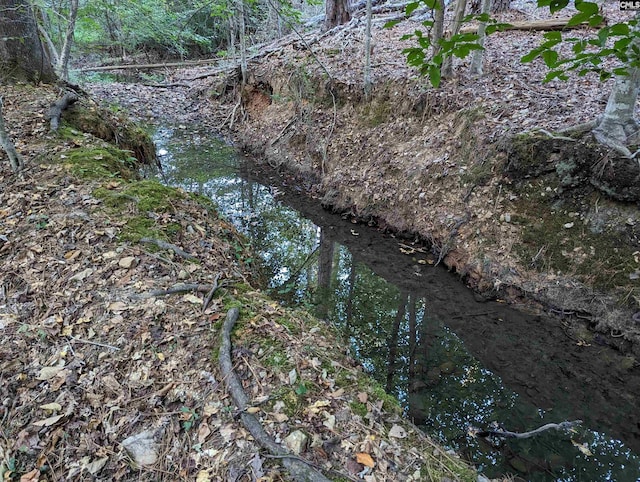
(521, 215)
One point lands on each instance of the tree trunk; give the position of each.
(478, 55)
(438, 27)
(367, 54)
(618, 127)
(22, 57)
(336, 13)
(62, 65)
(447, 64)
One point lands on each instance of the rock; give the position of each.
(297, 441)
(141, 448)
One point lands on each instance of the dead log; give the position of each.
(55, 112)
(299, 470)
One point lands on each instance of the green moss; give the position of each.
(139, 227)
(359, 408)
(153, 196)
(110, 127)
(99, 163)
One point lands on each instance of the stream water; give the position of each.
(452, 360)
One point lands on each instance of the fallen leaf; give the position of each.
(397, 432)
(82, 275)
(582, 448)
(96, 466)
(47, 422)
(117, 306)
(363, 397)
(128, 262)
(47, 373)
(203, 476)
(54, 407)
(32, 476)
(365, 459)
(192, 299)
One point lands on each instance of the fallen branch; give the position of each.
(299, 469)
(15, 159)
(88, 342)
(55, 112)
(172, 247)
(500, 432)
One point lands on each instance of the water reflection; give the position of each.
(453, 362)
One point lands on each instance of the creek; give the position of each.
(452, 360)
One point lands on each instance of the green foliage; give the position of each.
(426, 56)
(619, 41)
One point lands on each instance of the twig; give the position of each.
(299, 469)
(553, 136)
(499, 432)
(209, 297)
(172, 247)
(80, 340)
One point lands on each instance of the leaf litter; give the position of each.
(99, 381)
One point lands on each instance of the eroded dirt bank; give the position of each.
(520, 215)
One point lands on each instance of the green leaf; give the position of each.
(392, 23)
(619, 29)
(578, 18)
(550, 58)
(412, 7)
(589, 8)
(534, 54)
(434, 75)
(553, 35)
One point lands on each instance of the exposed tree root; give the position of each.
(299, 470)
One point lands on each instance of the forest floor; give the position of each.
(113, 293)
(440, 163)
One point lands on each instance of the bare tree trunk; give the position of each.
(336, 13)
(51, 48)
(367, 54)
(478, 55)
(438, 27)
(243, 42)
(447, 64)
(15, 159)
(62, 65)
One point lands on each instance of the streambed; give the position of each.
(451, 359)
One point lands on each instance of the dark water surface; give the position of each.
(451, 360)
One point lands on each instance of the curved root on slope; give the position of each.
(299, 470)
